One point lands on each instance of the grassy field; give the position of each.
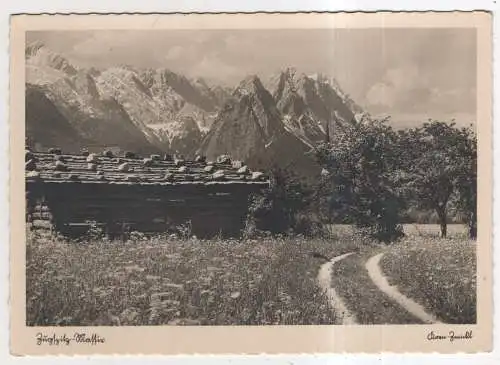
(455, 231)
(440, 274)
(167, 280)
(411, 229)
(181, 282)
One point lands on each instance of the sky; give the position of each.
(410, 74)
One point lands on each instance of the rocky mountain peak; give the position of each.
(32, 48)
(289, 73)
(37, 55)
(199, 81)
(320, 77)
(250, 85)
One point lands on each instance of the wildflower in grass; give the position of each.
(129, 316)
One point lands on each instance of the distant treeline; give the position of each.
(414, 215)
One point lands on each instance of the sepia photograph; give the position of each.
(252, 177)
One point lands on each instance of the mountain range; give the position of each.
(264, 123)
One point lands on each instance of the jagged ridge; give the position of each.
(159, 110)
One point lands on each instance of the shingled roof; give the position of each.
(54, 166)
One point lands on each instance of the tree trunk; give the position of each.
(472, 230)
(442, 221)
(473, 226)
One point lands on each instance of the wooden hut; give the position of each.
(68, 193)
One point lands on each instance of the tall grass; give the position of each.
(165, 280)
(266, 281)
(440, 274)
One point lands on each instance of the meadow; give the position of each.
(439, 274)
(164, 280)
(265, 281)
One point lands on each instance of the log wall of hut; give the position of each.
(70, 207)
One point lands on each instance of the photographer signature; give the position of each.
(451, 336)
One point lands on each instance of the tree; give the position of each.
(466, 182)
(277, 209)
(440, 159)
(363, 172)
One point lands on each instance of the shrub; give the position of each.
(309, 225)
(95, 232)
(185, 230)
(285, 207)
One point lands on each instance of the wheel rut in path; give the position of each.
(325, 282)
(380, 280)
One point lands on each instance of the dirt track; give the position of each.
(324, 279)
(380, 281)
